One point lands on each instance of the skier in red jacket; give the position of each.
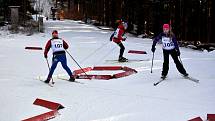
(58, 47)
(118, 37)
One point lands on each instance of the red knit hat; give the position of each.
(166, 26)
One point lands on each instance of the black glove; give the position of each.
(178, 53)
(45, 55)
(123, 39)
(153, 49)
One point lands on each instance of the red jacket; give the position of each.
(118, 35)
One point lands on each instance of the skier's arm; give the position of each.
(175, 42)
(176, 45)
(47, 47)
(156, 39)
(65, 45)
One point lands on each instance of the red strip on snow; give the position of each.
(48, 104)
(43, 117)
(34, 48)
(137, 52)
(105, 77)
(196, 119)
(81, 70)
(211, 117)
(123, 74)
(108, 68)
(129, 69)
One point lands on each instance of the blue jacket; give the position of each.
(162, 35)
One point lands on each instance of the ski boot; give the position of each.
(163, 77)
(186, 75)
(122, 59)
(47, 81)
(71, 79)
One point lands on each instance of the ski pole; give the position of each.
(152, 61)
(76, 63)
(49, 69)
(103, 45)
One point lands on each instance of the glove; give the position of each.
(45, 55)
(153, 49)
(178, 53)
(123, 39)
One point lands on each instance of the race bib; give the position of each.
(167, 43)
(116, 33)
(57, 45)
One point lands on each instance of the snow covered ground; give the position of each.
(132, 98)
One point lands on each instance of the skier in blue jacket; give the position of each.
(170, 47)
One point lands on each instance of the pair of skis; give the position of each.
(51, 83)
(187, 77)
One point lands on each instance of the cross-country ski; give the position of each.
(158, 82)
(192, 79)
(69, 80)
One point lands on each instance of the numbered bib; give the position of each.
(167, 43)
(116, 33)
(57, 45)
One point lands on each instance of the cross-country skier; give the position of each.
(170, 47)
(58, 46)
(119, 36)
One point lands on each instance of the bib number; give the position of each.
(58, 45)
(167, 43)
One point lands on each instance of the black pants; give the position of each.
(122, 49)
(178, 64)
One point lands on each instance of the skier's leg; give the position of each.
(178, 64)
(165, 63)
(122, 49)
(63, 61)
(55, 60)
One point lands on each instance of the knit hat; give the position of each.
(55, 32)
(166, 26)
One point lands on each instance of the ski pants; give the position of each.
(178, 64)
(122, 49)
(59, 58)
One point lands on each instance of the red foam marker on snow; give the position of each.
(127, 71)
(107, 68)
(43, 117)
(211, 117)
(81, 70)
(34, 48)
(137, 52)
(123, 74)
(48, 104)
(196, 119)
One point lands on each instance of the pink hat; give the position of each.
(166, 26)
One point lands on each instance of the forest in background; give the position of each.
(191, 20)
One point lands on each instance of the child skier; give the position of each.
(170, 47)
(58, 47)
(119, 36)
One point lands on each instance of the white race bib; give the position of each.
(116, 33)
(167, 43)
(57, 45)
